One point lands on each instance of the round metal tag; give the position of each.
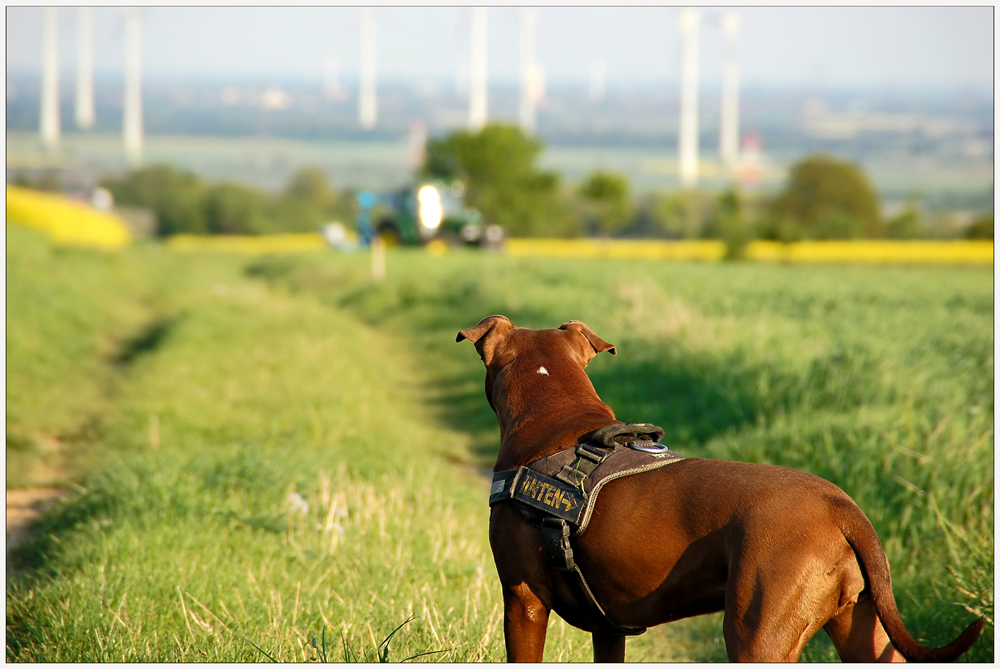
(655, 448)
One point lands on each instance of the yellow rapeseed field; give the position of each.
(65, 221)
(950, 252)
(866, 251)
(617, 248)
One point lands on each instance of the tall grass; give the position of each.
(286, 463)
(186, 541)
(878, 379)
(873, 251)
(69, 313)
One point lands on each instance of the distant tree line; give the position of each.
(185, 203)
(823, 198)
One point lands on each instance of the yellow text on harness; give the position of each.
(548, 495)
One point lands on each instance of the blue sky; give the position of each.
(831, 46)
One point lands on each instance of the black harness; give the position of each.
(558, 494)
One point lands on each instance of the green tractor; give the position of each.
(425, 211)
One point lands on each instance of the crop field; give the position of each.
(272, 457)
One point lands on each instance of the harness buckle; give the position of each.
(593, 453)
(587, 458)
(555, 544)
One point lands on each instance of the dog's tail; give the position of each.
(860, 534)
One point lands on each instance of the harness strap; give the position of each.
(560, 506)
(588, 456)
(558, 552)
(539, 492)
(565, 505)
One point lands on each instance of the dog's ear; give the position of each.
(600, 346)
(486, 334)
(476, 332)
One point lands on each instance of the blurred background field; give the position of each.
(262, 452)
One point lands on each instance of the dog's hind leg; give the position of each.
(858, 635)
(609, 647)
(525, 621)
(768, 642)
(776, 600)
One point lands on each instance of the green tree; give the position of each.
(826, 198)
(307, 201)
(175, 196)
(608, 200)
(294, 214)
(907, 224)
(981, 227)
(312, 185)
(502, 181)
(682, 214)
(728, 225)
(235, 209)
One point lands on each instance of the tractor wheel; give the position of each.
(493, 237)
(390, 235)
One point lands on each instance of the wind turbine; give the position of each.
(730, 129)
(687, 141)
(367, 102)
(132, 130)
(49, 112)
(84, 69)
(477, 69)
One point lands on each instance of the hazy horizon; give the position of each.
(825, 47)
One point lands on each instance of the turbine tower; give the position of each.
(477, 70)
(49, 122)
(529, 75)
(132, 111)
(84, 69)
(687, 142)
(367, 103)
(730, 130)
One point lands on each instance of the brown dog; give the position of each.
(782, 552)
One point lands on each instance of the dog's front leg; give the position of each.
(609, 647)
(525, 621)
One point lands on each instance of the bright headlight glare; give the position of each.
(431, 212)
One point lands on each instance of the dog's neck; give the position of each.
(544, 409)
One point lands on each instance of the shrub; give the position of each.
(826, 198)
(980, 228)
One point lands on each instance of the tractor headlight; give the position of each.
(431, 211)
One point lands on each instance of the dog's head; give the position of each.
(498, 340)
(499, 343)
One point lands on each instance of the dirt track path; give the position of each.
(24, 507)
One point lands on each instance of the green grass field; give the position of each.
(275, 458)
